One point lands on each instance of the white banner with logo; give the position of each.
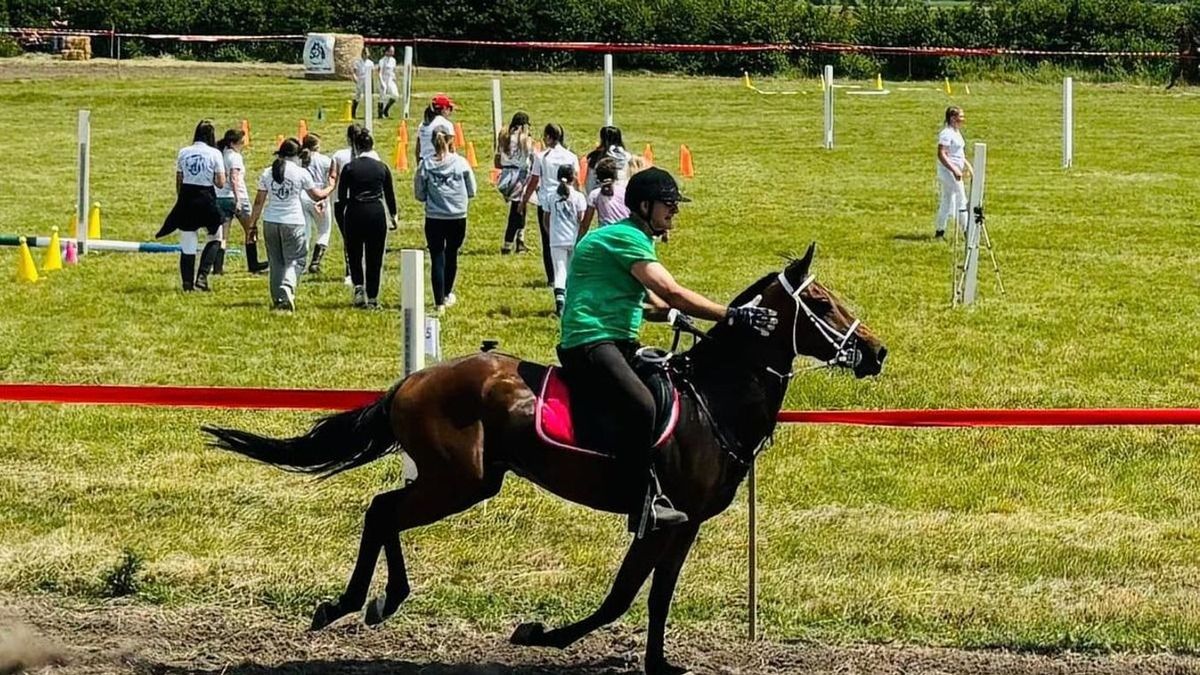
(318, 54)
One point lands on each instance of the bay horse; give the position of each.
(466, 423)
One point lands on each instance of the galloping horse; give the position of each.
(466, 423)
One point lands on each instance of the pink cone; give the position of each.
(72, 256)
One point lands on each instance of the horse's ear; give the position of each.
(798, 269)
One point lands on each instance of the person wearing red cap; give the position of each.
(437, 118)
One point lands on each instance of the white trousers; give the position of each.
(319, 224)
(953, 202)
(560, 258)
(388, 90)
(189, 242)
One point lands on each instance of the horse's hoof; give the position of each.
(529, 635)
(377, 611)
(325, 614)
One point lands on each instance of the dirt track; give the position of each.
(41, 66)
(123, 638)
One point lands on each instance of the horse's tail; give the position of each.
(336, 443)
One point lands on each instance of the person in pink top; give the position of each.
(606, 202)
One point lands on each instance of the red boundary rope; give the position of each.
(346, 399)
(626, 47)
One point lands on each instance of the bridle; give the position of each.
(845, 344)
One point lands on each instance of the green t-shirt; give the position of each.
(604, 299)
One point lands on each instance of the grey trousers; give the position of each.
(287, 251)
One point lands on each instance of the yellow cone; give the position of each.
(822, 78)
(879, 82)
(26, 270)
(949, 91)
(347, 111)
(53, 259)
(94, 222)
(967, 89)
(746, 80)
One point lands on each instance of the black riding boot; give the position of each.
(387, 109)
(252, 263)
(207, 257)
(187, 270)
(655, 511)
(314, 267)
(354, 110)
(219, 263)
(379, 110)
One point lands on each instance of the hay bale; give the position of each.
(346, 48)
(81, 43)
(75, 55)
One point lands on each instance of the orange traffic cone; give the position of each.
(583, 169)
(494, 176)
(278, 141)
(401, 163)
(303, 130)
(648, 155)
(402, 132)
(460, 139)
(246, 132)
(471, 159)
(685, 162)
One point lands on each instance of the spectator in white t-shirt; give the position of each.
(542, 183)
(234, 201)
(199, 173)
(278, 203)
(607, 201)
(388, 91)
(566, 210)
(612, 146)
(952, 164)
(437, 118)
(318, 214)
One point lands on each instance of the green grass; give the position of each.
(1041, 539)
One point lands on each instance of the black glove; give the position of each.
(761, 319)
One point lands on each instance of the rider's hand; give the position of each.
(761, 319)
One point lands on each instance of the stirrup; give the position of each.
(657, 511)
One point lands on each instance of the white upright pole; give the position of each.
(83, 180)
(971, 265)
(408, 62)
(369, 117)
(752, 585)
(1068, 141)
(412, 308)
(828, 107)
(497, 116)
(608, 90)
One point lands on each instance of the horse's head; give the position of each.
(813, 322)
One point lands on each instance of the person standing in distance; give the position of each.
(365, 188)
(614, 281)
(951, 165)
(566, 211)
(437, 118)
(278, 204)
(542, 181)
(363, 70)
(389, 93)
(234, 199)
(199, 172)
(445, 184)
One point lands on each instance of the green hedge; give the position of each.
(1035, 24)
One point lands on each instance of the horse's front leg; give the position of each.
(666, 574)
(643, 555)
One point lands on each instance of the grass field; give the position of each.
(1029, 539)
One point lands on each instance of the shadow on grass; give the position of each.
(611, 666)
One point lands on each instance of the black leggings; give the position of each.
(444, 237)
(365, 234)
(599, 372)
(516, 223)
(544, 230)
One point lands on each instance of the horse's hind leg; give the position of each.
(639, 561)
(424, 501)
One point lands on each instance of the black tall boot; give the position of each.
(379, 110)
(207, 257)
(314, 267)
(219, 263)
(387, 109)
(252, 264)
(354, 110)
(187, 270)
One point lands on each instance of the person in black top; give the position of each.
(364, 187)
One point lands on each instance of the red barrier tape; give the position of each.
(346, 399)
(629, 47)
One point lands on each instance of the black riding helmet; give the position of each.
(651, 185)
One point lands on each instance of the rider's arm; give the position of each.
(654, 309)
(660, 283)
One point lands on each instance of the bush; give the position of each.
(9, 47)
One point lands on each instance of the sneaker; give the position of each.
(439, 310)
(940, 234)
(372, 304)
(451, 300)
(202, 283)
(288, 301)
(521, 247)
(505, 249)
(360, 296)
